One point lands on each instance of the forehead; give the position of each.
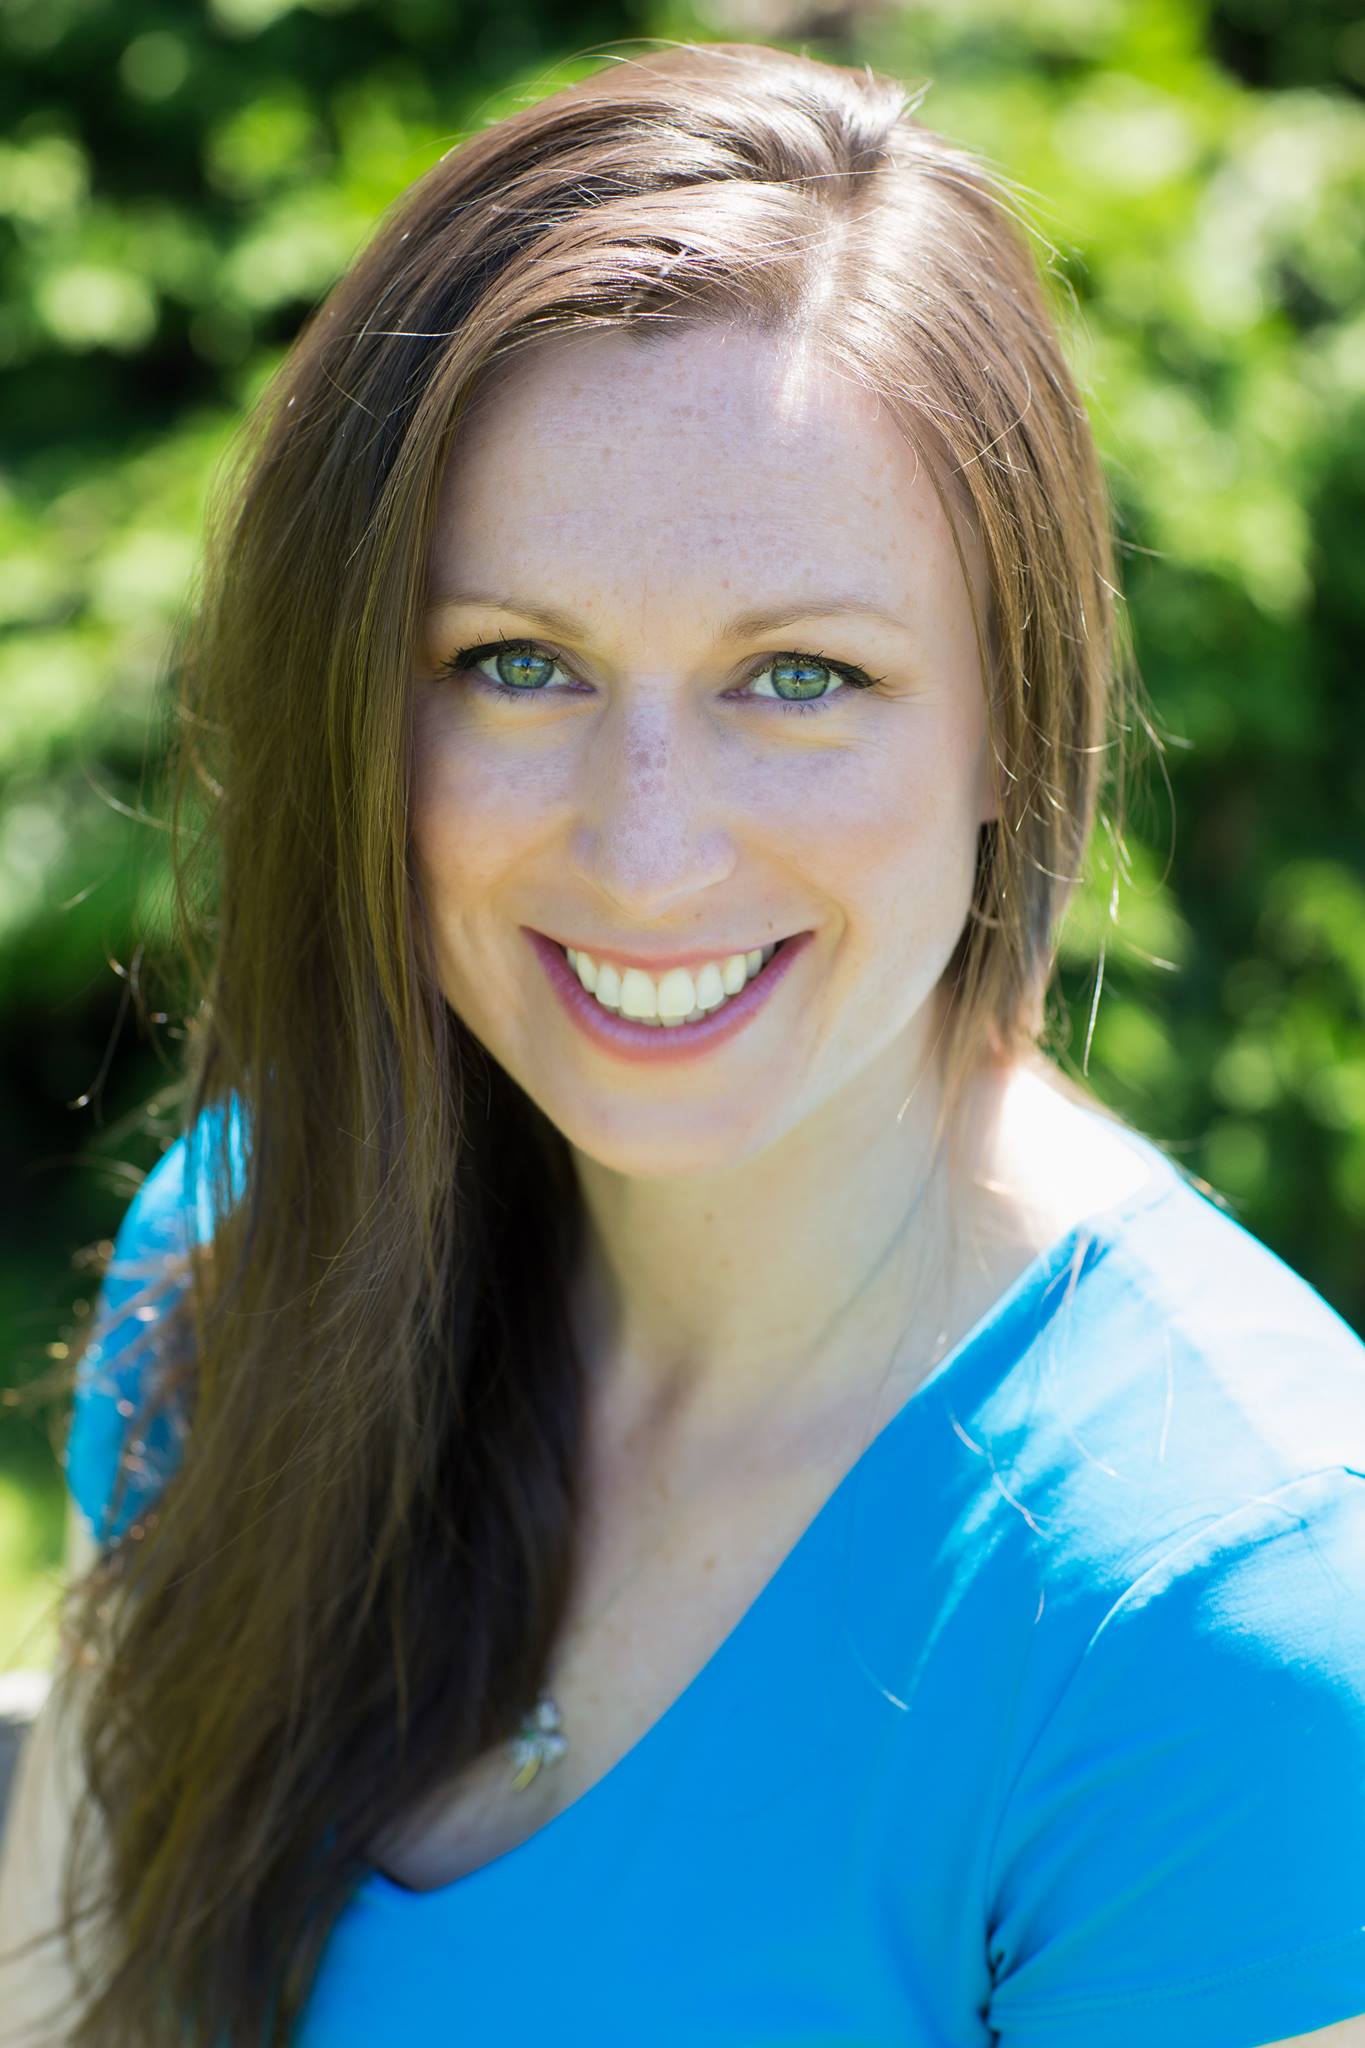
(706, 449)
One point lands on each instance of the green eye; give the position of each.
(517, 668)
(805, 678)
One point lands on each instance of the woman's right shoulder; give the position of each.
(173, 1207)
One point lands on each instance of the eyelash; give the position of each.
(462, 664)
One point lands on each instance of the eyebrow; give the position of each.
(743, 626)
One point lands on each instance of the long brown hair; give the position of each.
(376, 1428)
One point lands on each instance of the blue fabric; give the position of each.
(1049, 1731)
(172, 1208)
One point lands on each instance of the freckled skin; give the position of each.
(651, 492)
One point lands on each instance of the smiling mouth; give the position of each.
(676, 997)
(768, 946)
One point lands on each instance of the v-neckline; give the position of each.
(1165, 1180)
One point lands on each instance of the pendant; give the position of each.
(537, 1742)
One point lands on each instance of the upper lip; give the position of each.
(659, 963)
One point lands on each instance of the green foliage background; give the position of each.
(180, 184)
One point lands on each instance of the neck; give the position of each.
(703, 1295)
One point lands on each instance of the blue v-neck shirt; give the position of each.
(1049, 1731)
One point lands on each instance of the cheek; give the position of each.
(470, 818)
(898, 848)
(471, 828)
(893, 814)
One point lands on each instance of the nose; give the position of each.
(649, 839)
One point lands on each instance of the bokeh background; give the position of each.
(181, 182)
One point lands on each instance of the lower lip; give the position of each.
(650, 1043)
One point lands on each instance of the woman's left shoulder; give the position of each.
(1181, 1849)
(1173, 1344)
(1187, 1253)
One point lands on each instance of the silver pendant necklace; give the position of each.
(540, 1739)
(537, 1741)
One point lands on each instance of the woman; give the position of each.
(692, 1488)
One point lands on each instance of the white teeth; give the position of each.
(710, 987)
(641, 996)
(678, 996)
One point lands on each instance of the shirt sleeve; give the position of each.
(1182, 1855)
(112, 1375)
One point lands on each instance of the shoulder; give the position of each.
(175, 1205)
(1181, 1846)
(1197, 1349)
(1168, 1523)
(1229, 1355)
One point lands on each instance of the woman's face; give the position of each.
(642, 788)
